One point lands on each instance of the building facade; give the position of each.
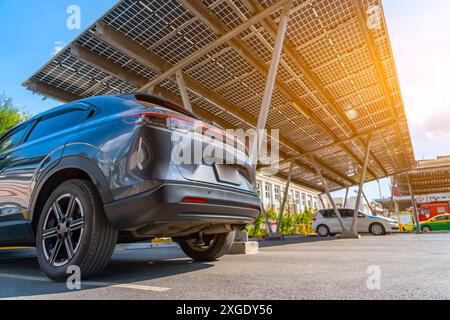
(271, 192)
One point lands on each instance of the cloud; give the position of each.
(58, 46)
(437, 126)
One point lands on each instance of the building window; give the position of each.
(304, 201)
(258, 188)
(277, 193)
(440, 209)
(310, 202)
(297, 197)
(268, 193)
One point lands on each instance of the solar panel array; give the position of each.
(336, 64)
(427, 177)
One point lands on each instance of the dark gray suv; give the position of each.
(77, 179)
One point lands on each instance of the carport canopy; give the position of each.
(426, 177)
(336, 84)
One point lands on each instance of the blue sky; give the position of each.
(418, 30)
(29, 32)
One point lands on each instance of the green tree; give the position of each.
(10, 115)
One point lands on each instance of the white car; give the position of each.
(325, 223)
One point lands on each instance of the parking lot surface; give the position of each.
(403, 266)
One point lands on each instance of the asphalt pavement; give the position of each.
(402, 266)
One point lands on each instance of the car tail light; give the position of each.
(254, 207)
(314, 219)
(194, 200)
(162, 120)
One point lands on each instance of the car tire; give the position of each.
(80, 237)
(377, 229)
(426, 229)
(323, 230)
(218, 245)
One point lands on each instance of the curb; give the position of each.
(146, 245)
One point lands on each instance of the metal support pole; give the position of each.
(392, 197)
(271, 77)
(414, 205)
(285, 196)
(263, 210)
(379, 190)
(183, 90)
(327, 191)
(368, 203)
(346, 196)
(321, 201)
(361, 184)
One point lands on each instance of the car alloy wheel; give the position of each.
(426, 229)
(377, 229)
(63, 230)
(322, 231)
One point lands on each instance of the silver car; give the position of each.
(325, 223)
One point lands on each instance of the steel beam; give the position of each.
(414, 205)
(119, 41)
(219, 41)
(271, 76)
(392, 197)
(368, 203)
(345, 199)
(183, 90)
(347, 140)
(302, 65)
(105, 65)
(216, 24)
(327, 191)
(285, 196)
(52, 92)
(321, 201)
(361, 185)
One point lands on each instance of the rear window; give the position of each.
(12, 138)
(347, 213)
(327, 213)
(55, 123)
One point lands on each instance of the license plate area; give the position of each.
(227, 173)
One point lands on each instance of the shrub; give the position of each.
(287, 224)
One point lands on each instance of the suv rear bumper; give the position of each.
(165, 204)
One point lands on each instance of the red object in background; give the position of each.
(429, 210)
(396, 191)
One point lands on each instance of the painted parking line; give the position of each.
(89, 283)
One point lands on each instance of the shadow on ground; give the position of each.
(20, 275)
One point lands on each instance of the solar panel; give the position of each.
(332, 64)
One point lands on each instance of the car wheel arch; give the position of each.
(67, 168)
